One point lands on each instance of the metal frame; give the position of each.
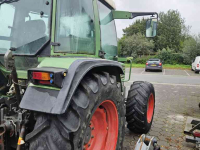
(192, 124)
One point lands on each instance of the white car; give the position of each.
(196, 65)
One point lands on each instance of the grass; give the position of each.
(165, 66)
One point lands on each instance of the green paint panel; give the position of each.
(97, 28)
(122, 59)
(57, 62)
(22, 74)
(53, 26)
(121, 14)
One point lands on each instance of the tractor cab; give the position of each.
(44, 28)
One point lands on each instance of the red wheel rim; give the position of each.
(150, 108)
(104, 128)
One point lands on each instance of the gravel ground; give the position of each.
(174, 103)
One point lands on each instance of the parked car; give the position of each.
(154, 64)
(195, 64)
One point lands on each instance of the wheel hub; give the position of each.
(102, 132)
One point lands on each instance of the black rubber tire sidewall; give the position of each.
(137, 122)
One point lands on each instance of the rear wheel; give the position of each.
(140, 107)
(95, 119)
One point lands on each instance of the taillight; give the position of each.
(146, 63)
(47, 76)
(197, 65)
(41, 76)
(160, 64)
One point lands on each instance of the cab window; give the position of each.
(108, 31)
(75, 27)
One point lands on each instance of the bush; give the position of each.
(166, 55)
(143, 59)
(169, 57)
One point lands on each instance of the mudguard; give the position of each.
(57, 101)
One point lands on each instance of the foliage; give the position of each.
(191, 49)
(135, 45)
(173, 44)
(143, 59)
(165, 66)
(171, 31)
(169, 57)
(137, 27)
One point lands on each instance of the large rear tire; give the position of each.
(140, 107)
(95, 119)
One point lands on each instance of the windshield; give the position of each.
(24, 25)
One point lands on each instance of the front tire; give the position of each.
(140, 107)
(95, 118)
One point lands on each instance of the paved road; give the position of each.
(167, 76)
(177, 97)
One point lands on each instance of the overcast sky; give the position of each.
(189, 9)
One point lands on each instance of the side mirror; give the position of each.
(151, 27)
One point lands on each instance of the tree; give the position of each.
(137, 27)
(136, 45)
(171, 31)
(191, 49)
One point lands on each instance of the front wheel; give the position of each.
(95, 119)
(140, 107)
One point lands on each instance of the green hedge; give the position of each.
(166, 55)
(167, 59)
(143, 59)
(170, 58)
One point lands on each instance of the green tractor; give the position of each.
(61, 85)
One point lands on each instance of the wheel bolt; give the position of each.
(92, 128)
